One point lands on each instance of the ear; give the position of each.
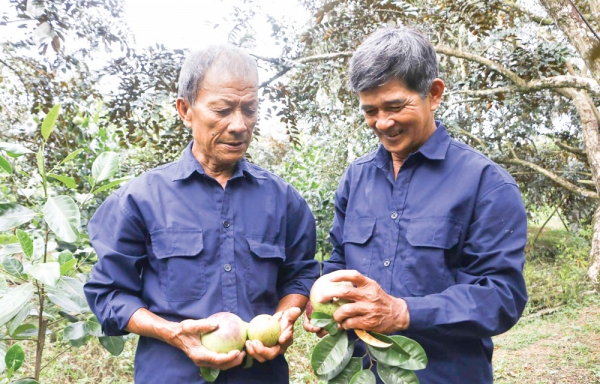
(184, 111)
(435, 93)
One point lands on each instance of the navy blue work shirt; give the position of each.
(176, 242)
(447, 236)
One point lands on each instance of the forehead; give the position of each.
(391, 90)
(223, 85)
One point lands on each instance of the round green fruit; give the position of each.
(323, 285)
(266, 329)
(230, 335)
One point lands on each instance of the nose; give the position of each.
(237, 123)
(383, 122)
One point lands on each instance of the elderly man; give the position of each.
(430, 232)
(205, 234)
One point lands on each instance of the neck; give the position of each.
(397, 162)
(220, 172)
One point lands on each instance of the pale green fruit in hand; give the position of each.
(266, 329)
(230, 335)
(323, 285)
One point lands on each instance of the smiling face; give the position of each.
(222, 119)
(400, 118)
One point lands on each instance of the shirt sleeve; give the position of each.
(490, 294)
(114, 288)
(337, 259)
(300, 269)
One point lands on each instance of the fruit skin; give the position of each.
(264, 328)
(230, 335)
(322, 284)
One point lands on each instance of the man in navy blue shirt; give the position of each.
(205, 234)
(430, 232)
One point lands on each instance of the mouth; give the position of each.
(234, 145)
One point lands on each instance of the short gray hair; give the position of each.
(225, 57)
(402, 53)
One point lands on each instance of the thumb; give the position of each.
(199, 326)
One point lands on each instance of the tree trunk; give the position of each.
(591, 140)
(575, 29)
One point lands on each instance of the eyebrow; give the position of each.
(389, 102)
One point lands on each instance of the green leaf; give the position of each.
(50, 121)
(331, 328)
(63, 217)
(71, 155)
(395, 375)
(393, 355)
(46, 273)
(68, 295)
(105, 166)
(364, 377)
(110, 185)
(15, 216)
(26, 381)
(14, 357)
(209, 374)
(352, 368)
(113, 344)
(5, 165)
(75, 334)
(320, 319)
(69, 317)
(418, 357)
(2, 356)
(13, 149)
(65, 256)
(66, 267)
(24, 331)
(12, 266)
(329, 353)
(248, 361)
(39, 157)
(26, 243)
(19, 318)
(66, 180)
(14, 301)
(94, 327)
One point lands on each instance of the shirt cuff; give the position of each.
(422, 313)
(299, 287)
(120, 310)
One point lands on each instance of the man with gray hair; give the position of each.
(205, 234)
(430, 232)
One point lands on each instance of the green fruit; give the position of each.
(230, 335)
(322, 285)
(266, 329)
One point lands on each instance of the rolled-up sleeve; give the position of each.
(300, 269)
(114, 288)
(490, 294)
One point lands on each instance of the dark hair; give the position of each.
(226, 58)
(402, 53)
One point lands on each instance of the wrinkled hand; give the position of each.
(286, 319)
(188, 340)
(372, 308)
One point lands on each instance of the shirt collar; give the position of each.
(187, 164)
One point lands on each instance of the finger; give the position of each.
(293, 313)
(277, 316)
(350, 275)
(199, 326)
(308, 327)
(212, 359)
(239, 358)
(257, 350)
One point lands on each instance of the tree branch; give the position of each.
(538, 19)
(568, 148)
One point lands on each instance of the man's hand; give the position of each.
(188, 340)
(372, 308)
(308, 327)
(286, 319)
(185, 336)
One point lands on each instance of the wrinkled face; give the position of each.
(222, 118)
(399, 117)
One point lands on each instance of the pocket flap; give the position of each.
(177, 242)
(265, 250)
(358, 230)
(436, 232)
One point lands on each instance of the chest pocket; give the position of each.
(181, 269)
(262, 270)
(425, 265)
(358, 243)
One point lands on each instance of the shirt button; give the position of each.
(227, 267)
(394, 215)
(386, 263)
(226, 224)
